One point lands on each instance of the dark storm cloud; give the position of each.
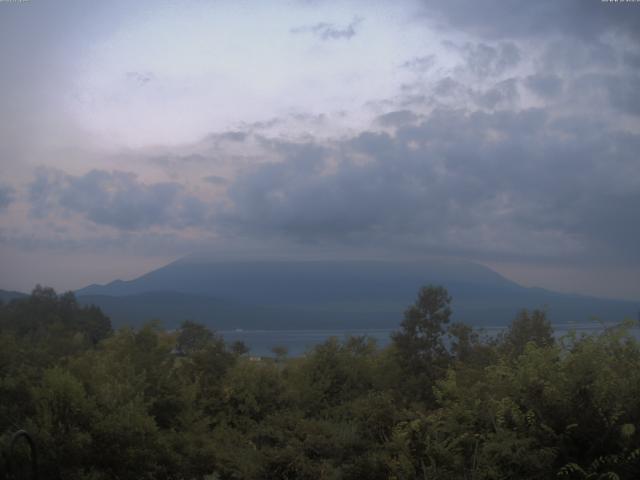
(397, 118)
(142, 242)
(329, 31)
(235, 136)
(566, 55)
(448, 92)
(117, 199)
(583, 19)
(6, 196)
(177, 160)
(306, 154)
(503, 93)
(485, 60)
(544, 85)
(449, 87)
(263, 125)
(229, 136)
(505, 183)
(624, 94)
(618, 90)
(632, 59)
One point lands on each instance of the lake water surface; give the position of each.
(298, 342)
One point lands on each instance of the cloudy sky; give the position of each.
(504, 132)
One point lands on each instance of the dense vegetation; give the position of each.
(441, 402)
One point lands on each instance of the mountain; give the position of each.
(329, 294)
(7, 295)
(301, 282)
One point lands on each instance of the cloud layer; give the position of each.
(502, 184)
(521, 184)
(500, 131)
(116, 199)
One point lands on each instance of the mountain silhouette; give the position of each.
(276, 294)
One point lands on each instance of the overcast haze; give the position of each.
(503, 132)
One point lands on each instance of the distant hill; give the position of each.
(329, 294)
(7, 295)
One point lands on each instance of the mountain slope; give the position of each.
(300, 281)
(314, 294)
(7, 295)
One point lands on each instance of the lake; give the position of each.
(298, 342)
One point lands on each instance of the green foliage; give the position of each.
(193, 337)
(528, 327)
(148, 403)
(420, 342)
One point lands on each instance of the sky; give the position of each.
(502, 132)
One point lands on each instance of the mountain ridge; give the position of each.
(317, 294)
(320, 294)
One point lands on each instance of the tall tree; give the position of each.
(193, 337)
(419, 344)
(528, 327)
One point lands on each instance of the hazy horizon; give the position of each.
(503, 133)
(213, 258)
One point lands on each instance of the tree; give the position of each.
(239, 348)
(463, 341)
(94, 324)
(420, 348)
(193, 337)
(281, 352)
(525, 328)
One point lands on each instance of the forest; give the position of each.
(442, 401)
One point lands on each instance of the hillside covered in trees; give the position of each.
(441, 402)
